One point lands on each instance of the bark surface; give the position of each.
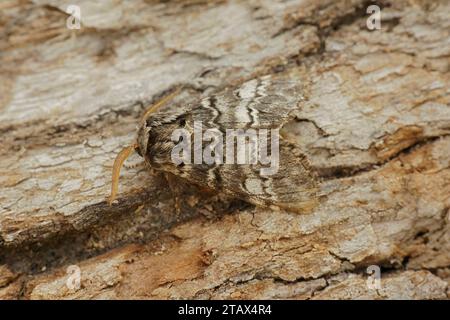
(375, 125)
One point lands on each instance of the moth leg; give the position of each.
(304, 207)
(174, 186)
(139, 164)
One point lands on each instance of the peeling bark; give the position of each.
(375, 126)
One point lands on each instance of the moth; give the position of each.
(192, 141)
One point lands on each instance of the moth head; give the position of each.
(154, 139)
(142, 139)
(140, 146)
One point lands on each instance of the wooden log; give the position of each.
(375, 126)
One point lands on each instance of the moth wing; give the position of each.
(262, 103)
(292, 187)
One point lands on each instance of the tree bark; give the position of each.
(375, 126)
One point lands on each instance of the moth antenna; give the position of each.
(160, 103)
(118, 163)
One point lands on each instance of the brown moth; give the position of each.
(230, 142)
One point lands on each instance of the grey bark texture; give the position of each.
(375, 125)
